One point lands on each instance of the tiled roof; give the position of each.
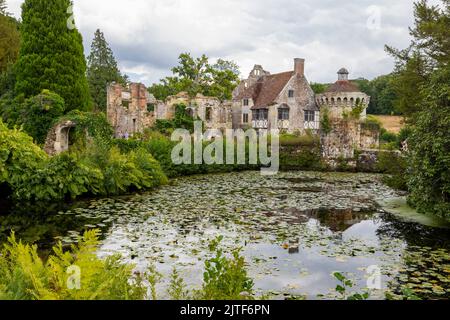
(343, 86)
(266, 90)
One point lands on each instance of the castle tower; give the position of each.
(343, 97)
(343, 109)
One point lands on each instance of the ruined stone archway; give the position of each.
(58, 138)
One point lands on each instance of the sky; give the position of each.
(147, 36)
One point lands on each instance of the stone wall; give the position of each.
(370, 137)
(130, 109)
(342, 141)
(214, 113)
(58, 138)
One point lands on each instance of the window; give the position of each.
(208, 115)
(245, 118)
(261, 114)
(150, 107)
(291, 93)
(310, 116)
(246, 102)
(283, 114)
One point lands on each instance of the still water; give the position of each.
(295, 230)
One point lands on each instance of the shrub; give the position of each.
(39, 112)
(123, 172)
(57, 178)
(181, 120)
(19, 156)
(394, 165)
(25, 276)
(97, 170)
(307, 140)
(225, 278)
(389, 137)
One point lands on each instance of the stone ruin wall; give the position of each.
(57, 140)
(127, 109)
(342, 141)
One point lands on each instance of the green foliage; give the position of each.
(102, 70)
(95, 169)
(345, 285)
(383, 96)
(225, 278)
(357, 110)
(9, 42)
(25, 276)
(121, 172)
(318, 88)
(57, 178)
(422, 82)
(95, 125)
(11, 109)
(51, 55)
(197, 75)
(177, 288)
(394, 165)
(153, 277)
(19, 156)
(296, 140)
(38, 113)
(389, 137)
(325, 122)
(181, 121)
(429, 145)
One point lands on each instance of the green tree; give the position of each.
(383, 96)
(38, 114)
(319, 88)
(51, 55)
(429, 143)
(197, 75)
(422, 81)
(9, 42)
(102, 70)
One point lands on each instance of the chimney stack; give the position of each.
(299, 66)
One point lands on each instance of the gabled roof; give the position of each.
(343, 86)
(266, 90)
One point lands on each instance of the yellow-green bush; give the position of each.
(25, 276)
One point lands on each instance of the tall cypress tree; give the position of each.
(51, 55)
(102, 70)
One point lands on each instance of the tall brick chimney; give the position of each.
(299, 66)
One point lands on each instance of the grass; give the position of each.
(392, 124)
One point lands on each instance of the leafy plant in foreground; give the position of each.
(25, 276)
(345, 285)
(225, 278)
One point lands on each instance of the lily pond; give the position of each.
(295, 229)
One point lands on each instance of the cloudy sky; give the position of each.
(148, 35)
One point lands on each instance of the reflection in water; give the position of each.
(295, 229)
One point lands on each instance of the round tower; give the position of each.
(343, 97)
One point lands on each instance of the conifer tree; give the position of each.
(102, 70)
(51, 55)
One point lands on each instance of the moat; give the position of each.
(295, 230)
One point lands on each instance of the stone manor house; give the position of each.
(283, 101)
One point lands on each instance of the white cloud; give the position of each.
(148, 35)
